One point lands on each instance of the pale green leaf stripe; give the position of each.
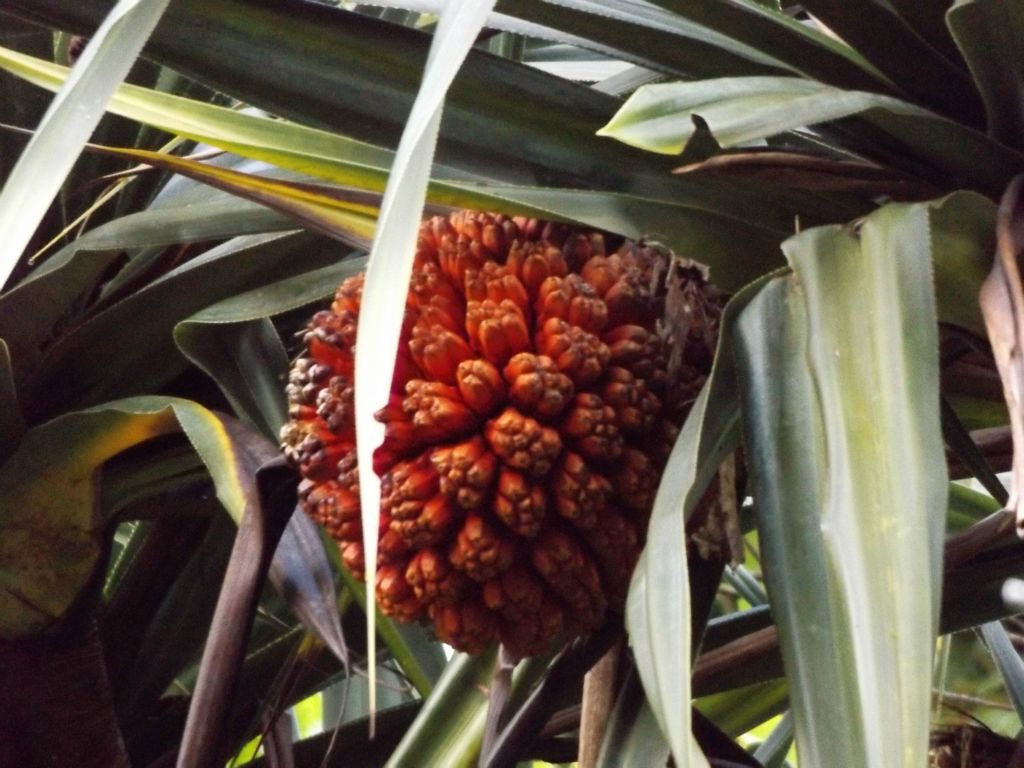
(744, 109)
(839, 374)
(658, 606)
(390, 264)
(67, 124)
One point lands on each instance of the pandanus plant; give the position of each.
(585, 456)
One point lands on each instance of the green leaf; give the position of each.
(449, 728)
(650, 37)
(914, 65)
(565, 151)
(237, 346)
(771, 753)
(417, 655)
(803, 47)
(967, 507)
(742, 709)
(839, 373)
(1008, 661)
(52, 526)
(962, 240)
(658, 609)
(744, 109)
(67, 124)
(699, 40)
(315, 286)
(343, 215)
(701, 221)
(362, 83)
(248, 362)
(134, 336)
(633, 738)
(990, 34)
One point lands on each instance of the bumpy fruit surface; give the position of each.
(531, 412)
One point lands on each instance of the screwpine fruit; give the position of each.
(537, 391)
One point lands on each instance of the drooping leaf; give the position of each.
(235, 343)
(247, 360)
(67, 124)
(744, 109)
(52, 525)
(302, 575)
(657, 609)
(343, 214)
(990, 34)
(839, 374)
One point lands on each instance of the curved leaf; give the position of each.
(237, 346)
(990, 34)
(133, 337)
(51, 523)
(302, 575)
(248, 362)
(743, 109)
(658, 609)
(268, 496)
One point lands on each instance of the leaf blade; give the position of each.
(838, 393)
(71, 117)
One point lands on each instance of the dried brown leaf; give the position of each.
(1002, 304)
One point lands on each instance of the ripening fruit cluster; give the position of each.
(530, 415)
